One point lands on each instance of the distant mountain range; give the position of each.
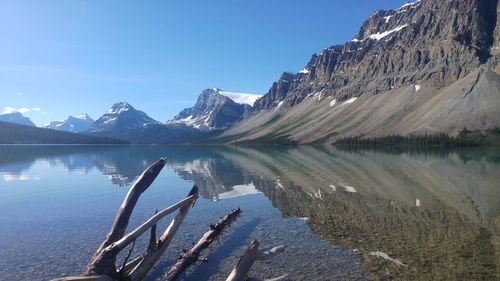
(427, 67)
(78, 124)
(214, 111)
(11, 133)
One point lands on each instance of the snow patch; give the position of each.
(334, 188)
(410, 5)
(241, 98)
(349, 101)
(417, 87)
(333, 102)
(305, 71)
(417, 202)
(378, 36)
(278, 106)
(387, 19)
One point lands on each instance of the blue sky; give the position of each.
(60, 58)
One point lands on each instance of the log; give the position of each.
(154, 254)
(252, 253)
(193, 255)
(103, 261)
(241, 269)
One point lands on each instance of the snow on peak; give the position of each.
(119, 107)
(240, 98)
(410, 4)
(378, 36)
(83, 116)
(388, 18)
(305, 71)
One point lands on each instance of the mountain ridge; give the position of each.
(16, 118)
(430, 46)
(74, 124)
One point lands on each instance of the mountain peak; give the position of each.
(122, 117)
(83, 116)
(16, 117)
(74, 124)
(215, 109)
(120, 107)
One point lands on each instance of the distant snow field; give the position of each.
(241, 98)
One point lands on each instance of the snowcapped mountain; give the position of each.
(121, 117)
(74, 124)
(16, 118)
(215, 109)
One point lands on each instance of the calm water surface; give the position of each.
(343, 215)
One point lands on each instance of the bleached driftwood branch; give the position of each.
(103, 262)
(154, 253)
(252, 253)
(193, 255)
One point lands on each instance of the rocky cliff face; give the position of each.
(429, 44)
(213, 110)
(436, 42)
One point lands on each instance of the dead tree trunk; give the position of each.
(193, 255)
(246, 261)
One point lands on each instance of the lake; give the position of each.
(343, 215)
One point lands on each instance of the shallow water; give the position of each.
(343, 215)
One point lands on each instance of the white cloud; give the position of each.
(8, 110)
(20, 94)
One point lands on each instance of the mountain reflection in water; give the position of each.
(408, 215)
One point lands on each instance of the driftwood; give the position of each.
(251, 255)
(104, 260)
(102, 266)
(154, 253)
(193, 255)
